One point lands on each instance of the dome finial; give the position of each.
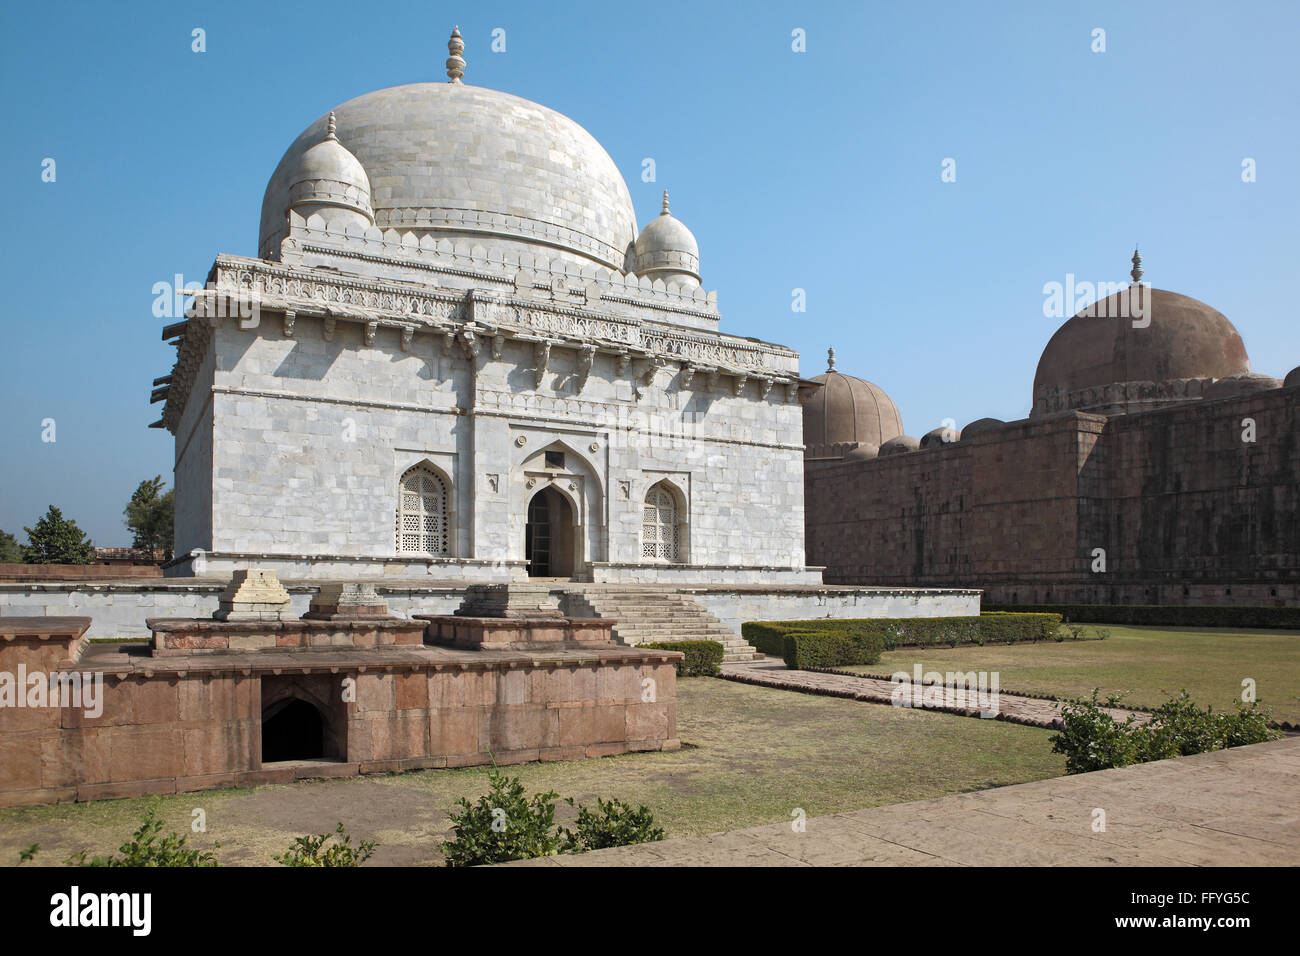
(330, 132)
(455, 62)
(830, 360)
(665, 209)
(1136, 273)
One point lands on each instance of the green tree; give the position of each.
(57, 540)
(151, 516)
(11, 551)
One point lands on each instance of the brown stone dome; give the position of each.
(900, 445)
(1292, 378)
(847, 412)
(1098, 361)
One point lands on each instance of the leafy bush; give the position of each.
(504, 825)
(306, 850)
(1166, 615)
(1093, 740)
(611, 824)
(703, 658)
(146, 849)
(29, 854)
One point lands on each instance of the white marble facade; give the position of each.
(445, 337)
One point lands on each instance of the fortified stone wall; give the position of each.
(1186, 511)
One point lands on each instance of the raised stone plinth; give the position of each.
(347, 602)
(506, 633)
(49, 642)
(254, 594)
(514, 616)
(174, 637)
(513, 600)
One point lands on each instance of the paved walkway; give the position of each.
(1021, 710)
(1229, 808)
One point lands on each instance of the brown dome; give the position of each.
(899, 445)
(1097, 359)
(847, 411)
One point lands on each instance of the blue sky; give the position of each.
(817, 170)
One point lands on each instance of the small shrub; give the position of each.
(29, 854)
(503, 825)
(611, 824)
(306, 850)
(703, 658)
(1093, 740)
(146, 849)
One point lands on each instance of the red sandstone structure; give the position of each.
(218, 703)
(1154, 469)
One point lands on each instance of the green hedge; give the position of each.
(703, 658)
(802, 649)
(769, 637)
(1179, 616)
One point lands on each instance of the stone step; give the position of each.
(645, 617)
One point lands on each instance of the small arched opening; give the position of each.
(550, 536)
(663, 525)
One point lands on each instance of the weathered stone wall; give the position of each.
(310, 438)
(119, 609)
(736, 606)
(1185, 510)
(192, 476)
(167, 726)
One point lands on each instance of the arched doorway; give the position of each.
(292, 729)
(550, 538)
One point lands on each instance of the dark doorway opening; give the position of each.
(292, 729)
(537, 537)
(550, 535)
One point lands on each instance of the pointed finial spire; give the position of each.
(330, 133)
(455, 62)
(830, 360)
(665, 209)
(1136, 273)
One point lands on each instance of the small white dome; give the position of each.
(667, 250)
(329, 176)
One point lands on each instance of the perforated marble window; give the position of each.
(422, 513)
(660, 535)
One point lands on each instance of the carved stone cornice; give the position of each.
(464, 316)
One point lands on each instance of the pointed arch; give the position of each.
(423, 523)
(663, 524)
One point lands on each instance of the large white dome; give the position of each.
(465, 161)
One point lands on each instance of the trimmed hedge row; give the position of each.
(1184, 616)
(703, 658)
(802, 649)
(829, 642)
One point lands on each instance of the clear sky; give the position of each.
(818, 170)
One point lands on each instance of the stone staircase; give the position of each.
(647, 615)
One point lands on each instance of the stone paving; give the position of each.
(1237, 807)
(1021, 710)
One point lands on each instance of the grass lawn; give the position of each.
(754, 754)
(1146, 663)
